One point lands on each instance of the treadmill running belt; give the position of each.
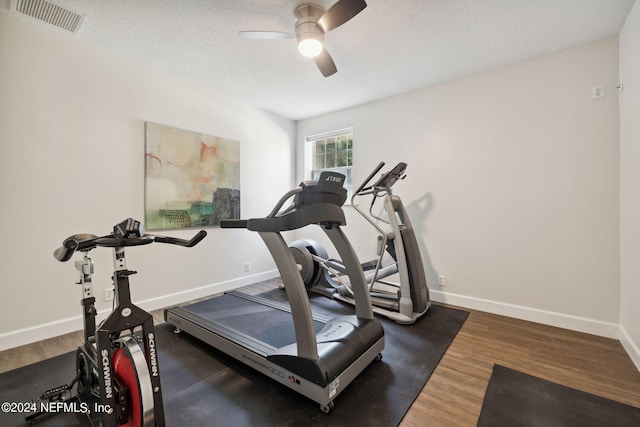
(272, 326)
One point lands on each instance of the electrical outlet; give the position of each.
(108, 294)
(598, 92)
(247, 267)
(442, 281)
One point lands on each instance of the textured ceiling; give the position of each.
(391, 47)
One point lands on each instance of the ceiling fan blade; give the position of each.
(266, 35)
(325, 63)
(340, 13)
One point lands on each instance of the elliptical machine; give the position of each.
(117, 375)
(403, 302)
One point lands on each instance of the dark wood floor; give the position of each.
(454, 393)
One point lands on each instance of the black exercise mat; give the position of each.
(516, 399)
(204, 387)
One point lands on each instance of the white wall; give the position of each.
(630, 184)
(512, 184)
(72, 161)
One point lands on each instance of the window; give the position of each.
(331, 151)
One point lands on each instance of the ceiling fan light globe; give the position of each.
(310, 47)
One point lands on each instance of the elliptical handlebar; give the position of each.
(87, 242)
(387, 180)
(384, 183)
(380, 188)
(369, 178)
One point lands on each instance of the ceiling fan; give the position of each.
(312, 23)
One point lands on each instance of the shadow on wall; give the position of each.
(419, 211)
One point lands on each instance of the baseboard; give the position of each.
(64, 326)
(205, 291)
(632, 348)
(610, 330)
(561, 320)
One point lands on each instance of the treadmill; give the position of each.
(315, 355)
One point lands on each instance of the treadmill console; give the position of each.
(329, 188)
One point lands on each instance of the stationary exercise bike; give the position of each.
(117, 375)
(404, 301)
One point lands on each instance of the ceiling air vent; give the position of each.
(49, 12)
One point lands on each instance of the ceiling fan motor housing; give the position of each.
(312, 22)
(307, 16)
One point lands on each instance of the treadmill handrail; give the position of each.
(274, 212)
(315, 202)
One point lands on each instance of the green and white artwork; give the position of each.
(191, 179)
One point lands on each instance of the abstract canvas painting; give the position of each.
(191, 179)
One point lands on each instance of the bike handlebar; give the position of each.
(71, 244)
(182, 242)
(87, 242)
